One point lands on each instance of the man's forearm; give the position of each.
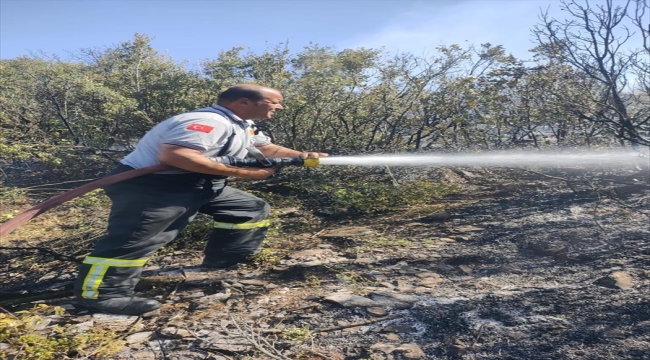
(192, 160)
(275, 151)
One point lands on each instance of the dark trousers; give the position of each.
(144, 218)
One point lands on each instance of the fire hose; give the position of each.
(12, 224)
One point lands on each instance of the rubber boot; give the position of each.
(131, 305)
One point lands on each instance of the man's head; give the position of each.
(251, 102)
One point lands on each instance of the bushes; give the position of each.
(352, 191)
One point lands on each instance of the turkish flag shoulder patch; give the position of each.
(201, 128)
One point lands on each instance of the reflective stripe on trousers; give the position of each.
(98, 269)
(241, 226)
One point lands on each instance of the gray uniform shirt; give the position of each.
(207, 132)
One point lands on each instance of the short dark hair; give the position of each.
(237, 92)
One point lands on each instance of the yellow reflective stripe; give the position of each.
(242, 226)
(98, 269)
(91, 260)
(92, 281)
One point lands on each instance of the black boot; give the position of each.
(130, 305)
(218, 264)
(223, 264)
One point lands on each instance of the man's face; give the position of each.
(266, 108)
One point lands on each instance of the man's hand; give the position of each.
(312, 155)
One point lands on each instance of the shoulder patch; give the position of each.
(201, 128)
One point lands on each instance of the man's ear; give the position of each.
(244, 101)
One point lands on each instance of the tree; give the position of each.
(595, 41)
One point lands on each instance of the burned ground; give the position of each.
(516, 266)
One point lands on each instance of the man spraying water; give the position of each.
(149, 211)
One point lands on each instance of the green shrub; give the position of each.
(26, 342)
(345, 191)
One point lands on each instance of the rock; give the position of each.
(349, 300)
(258, 314)
(461, 238)
(465, 269)
(363, 261)
(114, 322)
(377, 311)
(175, 333)
(270, 286)
(426, 274)
(81, 327)
(391, 337)
(432, 280)
(139, 337)
(409, 351)
(616, 280)
(376, 275)
(393, 300)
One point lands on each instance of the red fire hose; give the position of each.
(7, 227)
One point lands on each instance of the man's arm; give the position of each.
(275, 151)
(192, 160)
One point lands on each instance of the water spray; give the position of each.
(526, 159)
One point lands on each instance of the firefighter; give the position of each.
(149, 211)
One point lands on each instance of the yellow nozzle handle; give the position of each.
(311, 162)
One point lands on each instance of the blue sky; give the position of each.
(195, 30)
